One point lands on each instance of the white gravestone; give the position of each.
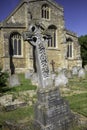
(75, 70)
(61, 80)
(81, 73)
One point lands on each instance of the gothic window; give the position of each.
(69, 48)
(52, 31)
(45, 11)
(16, 44)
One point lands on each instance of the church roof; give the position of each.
(71, 33)
(53, 2)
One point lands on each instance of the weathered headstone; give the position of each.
(14, 80)
(51, 111)
(69, 74)
(61, 80)
(34, 79)
(59, 69)
(85, 67)
(81, 73)
(75, 70)
(28, 74)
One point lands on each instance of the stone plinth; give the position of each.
(52, 111)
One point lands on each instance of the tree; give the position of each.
(83, 43)
(3, 79)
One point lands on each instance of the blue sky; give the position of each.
(74, 13)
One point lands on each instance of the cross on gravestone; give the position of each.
(52, 63)
(37, 38)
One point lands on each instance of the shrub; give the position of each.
(3, 78)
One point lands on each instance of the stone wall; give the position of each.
(19, 21)
(76, 57)
(1, 49)
(57, 19)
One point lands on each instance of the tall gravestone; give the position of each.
(51, 111)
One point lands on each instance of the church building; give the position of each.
(17, 55)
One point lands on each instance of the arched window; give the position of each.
(69, 48)
(15, 44)
(45, 11)
(52, 31)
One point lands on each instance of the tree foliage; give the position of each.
(83, 43)
(3, 79)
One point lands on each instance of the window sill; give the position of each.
(45, 19)
(17, 56)
(70, 58)
(50, 48)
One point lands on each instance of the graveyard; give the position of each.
(43, 78)
(46, 100)
(75, 92)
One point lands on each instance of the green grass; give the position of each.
(77, 84)
(78, 103)
(77, 96)
(17, 115)
(25, 84)
(24, 113)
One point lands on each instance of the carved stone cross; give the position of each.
(37, 38)
(53, 63)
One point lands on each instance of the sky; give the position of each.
(74, 13)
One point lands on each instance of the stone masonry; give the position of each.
(27, 12)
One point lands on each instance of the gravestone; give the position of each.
(34, 79)
(51, 111)
(59, 69)
(75, 70)
(28, 74)
(14, 80)
(69, 74)
(61, 80)
(85, 67)
(81, 73)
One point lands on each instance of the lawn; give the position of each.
(76, 94)
(78, 103)
(25, 84)
(20, 114)
(23, 113)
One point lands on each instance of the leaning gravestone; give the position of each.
(51, 111)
